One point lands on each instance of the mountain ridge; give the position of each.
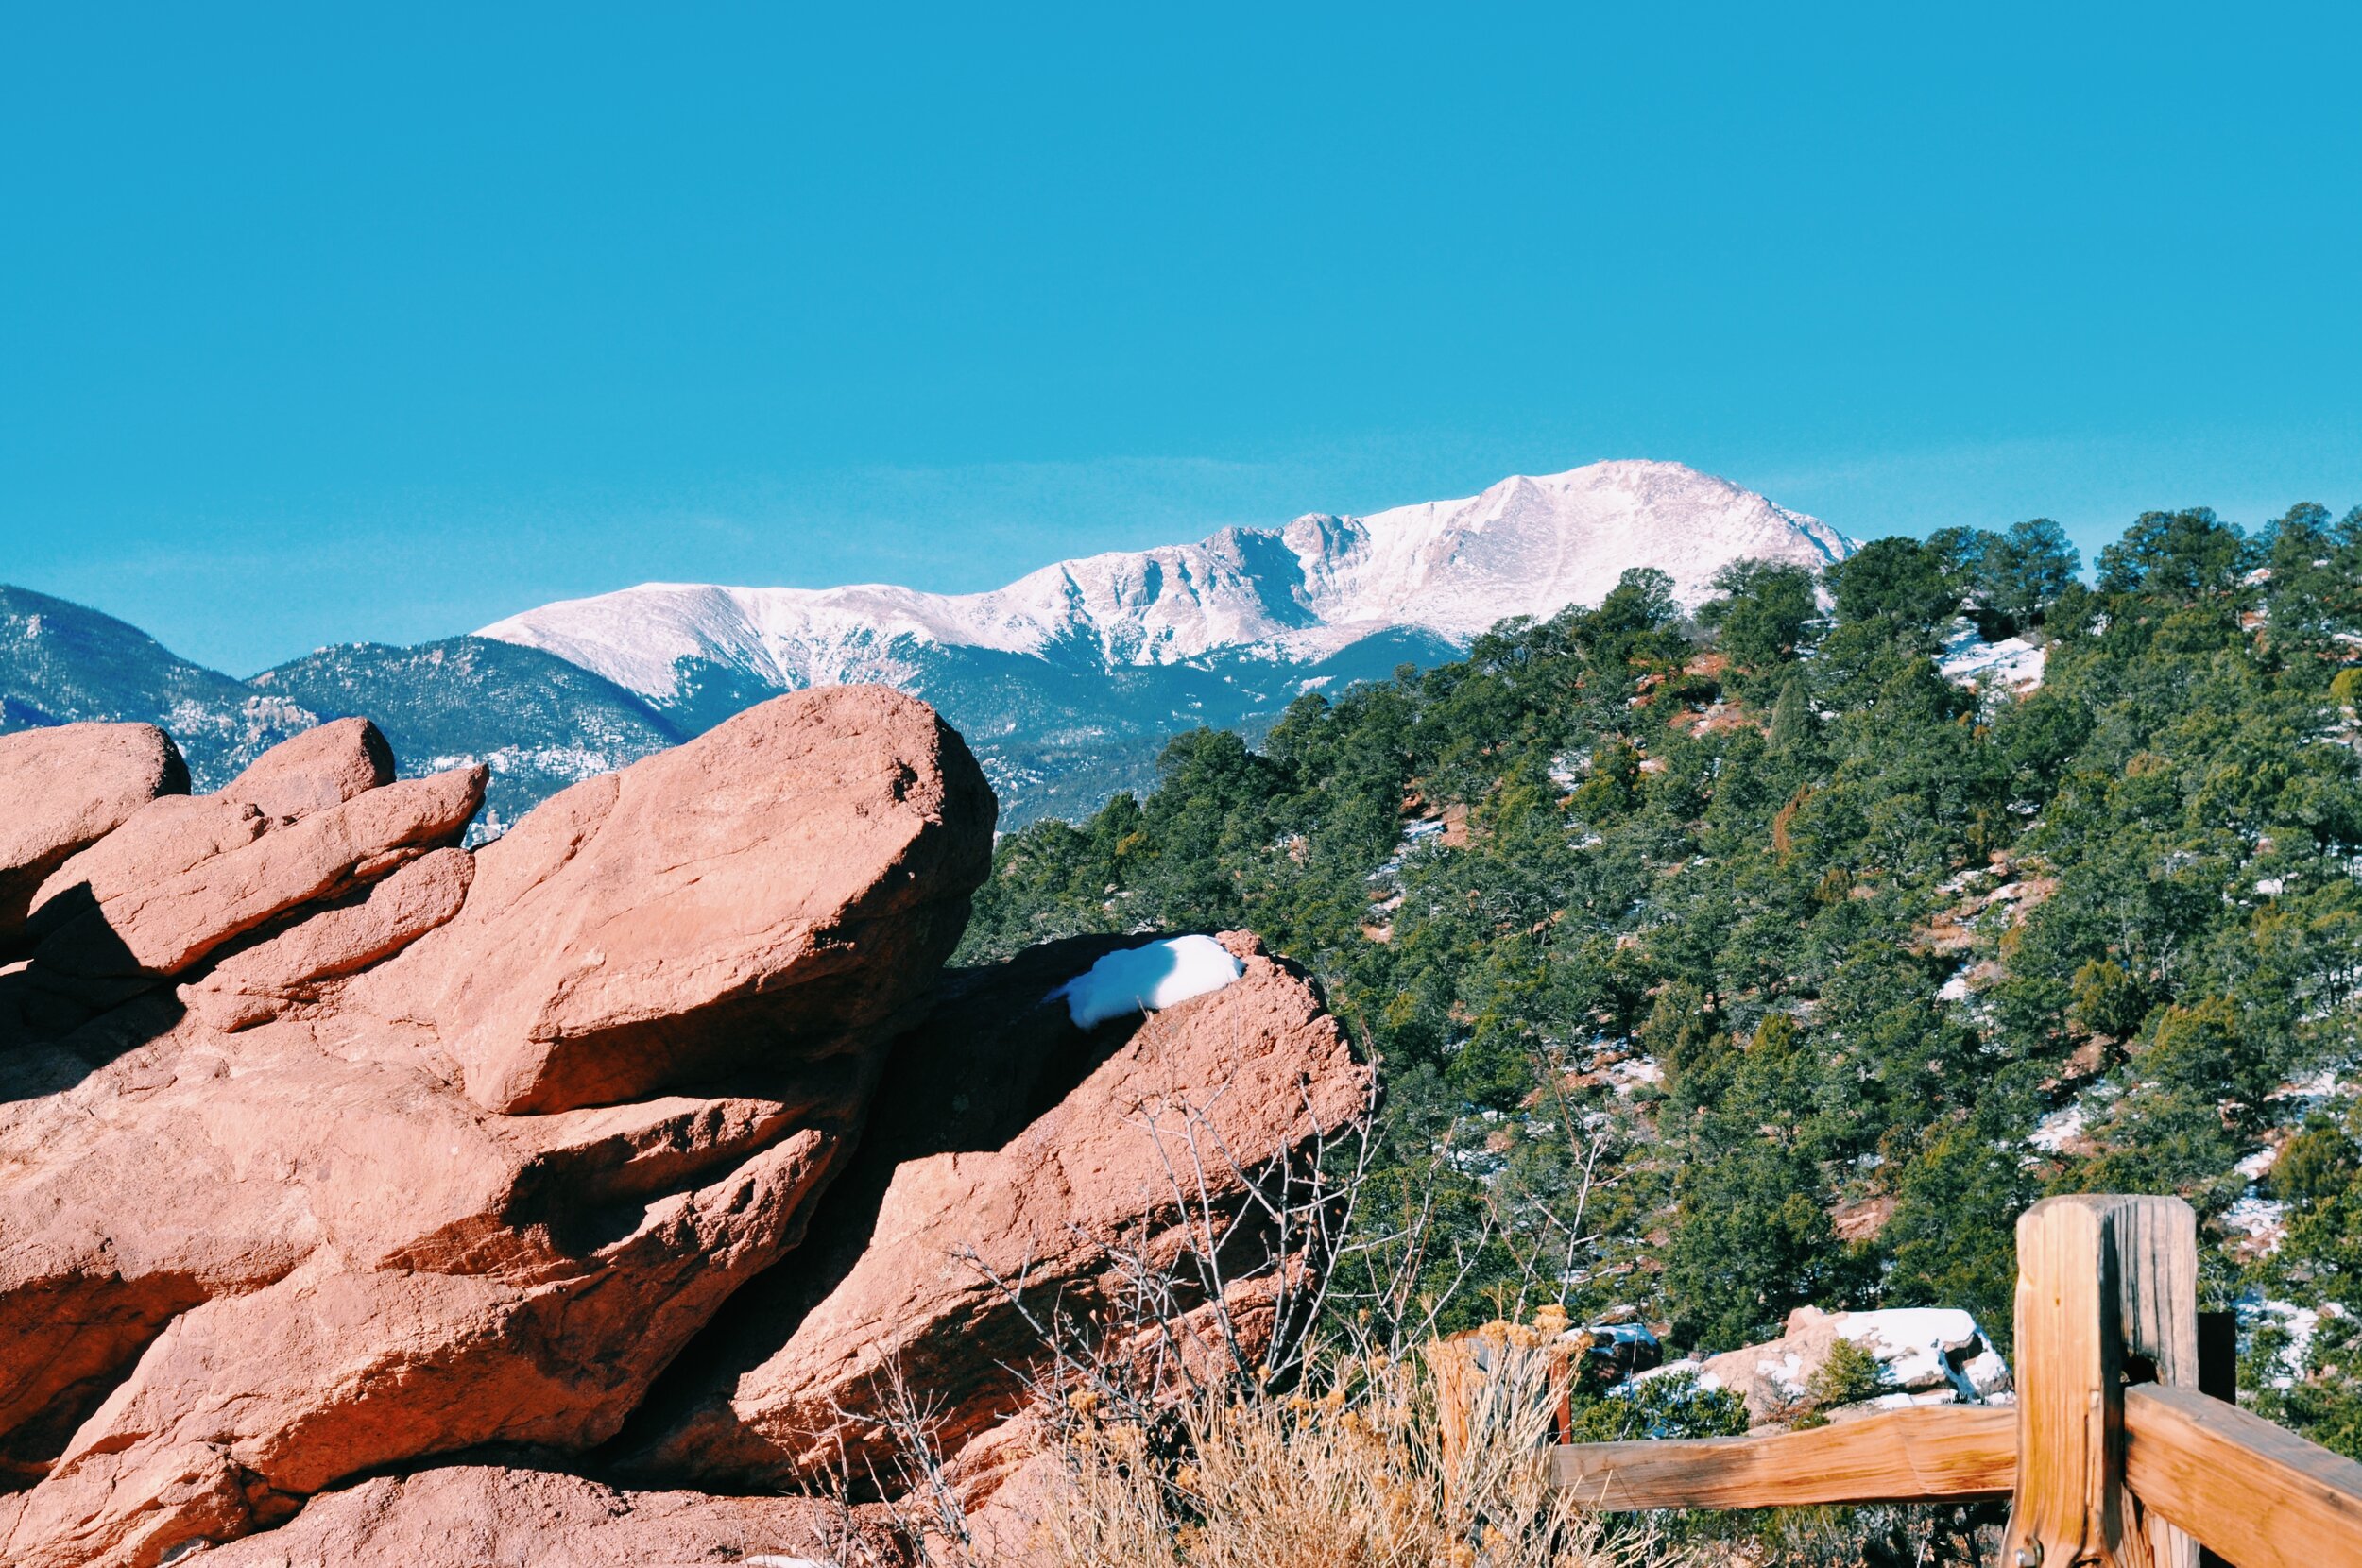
(1066, 683)
(1298, 593)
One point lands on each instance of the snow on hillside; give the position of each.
(2012, 665)
(1527, 546)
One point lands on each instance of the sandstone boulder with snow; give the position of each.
(1013, 1149)
(1926, 1355)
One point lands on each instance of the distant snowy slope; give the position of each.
(1294, 595)
(1067, 683)
(1534, 546)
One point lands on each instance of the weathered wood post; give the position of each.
(2107, 1296)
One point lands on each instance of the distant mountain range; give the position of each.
(1065, 682)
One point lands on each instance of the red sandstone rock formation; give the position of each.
(467, 1516)
(328, 1146)
(959, 1192)
(256, 1232)
(67, 788)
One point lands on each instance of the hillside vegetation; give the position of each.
(1723, 963)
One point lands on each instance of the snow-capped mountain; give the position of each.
(1067, 683)
(1292, 596)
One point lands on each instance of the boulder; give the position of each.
(503, 1326)
(318, 769)
(985, 1167)
(467, 1516)
(156, 917)
(162, 839)
(785, 885)
(65, 789)
(286, 968)
(258, 1236)
(1926, 1355)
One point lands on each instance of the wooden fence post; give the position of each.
(2107, 1295)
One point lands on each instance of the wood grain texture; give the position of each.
(1934, 1454)
(2261, 1496)
(2107, 1289)
(2155, 1242)
(2062, 1362)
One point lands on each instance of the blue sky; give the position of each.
(317, 327)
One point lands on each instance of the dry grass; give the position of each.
(1396, 1464)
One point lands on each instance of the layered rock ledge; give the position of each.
(359, 1191)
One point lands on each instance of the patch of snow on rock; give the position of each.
(1632, 1071)
(1917, 1347)
(1145, 979)
(2300, 1322)
(2259, 1218)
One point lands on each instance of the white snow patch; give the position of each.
(2011, 664)
(2255, 1165)
(1144, 979)
(2271, 887)
(1955, 989)
(2321, 1085)
(2260, 1219)
(1690, 1364)
(1915, 1346)
(2301, 1322)
(2059, 1128)
(1635, 1070)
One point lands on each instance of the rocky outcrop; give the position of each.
(318, 769)
(107, 916)
(271, 978)
(986, 1172)
(326, 1147)
(1922, 1356)
(788, 894)
(466, 1516)
(644, 1143)
(65, 789)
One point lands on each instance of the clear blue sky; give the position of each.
(316, 327)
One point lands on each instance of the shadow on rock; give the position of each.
(995, 1052)
(60, 1024)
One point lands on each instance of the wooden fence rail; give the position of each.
(2115, 1453)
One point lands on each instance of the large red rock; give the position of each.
(1172, 1127)
(275, 975)
(471, 1516)
(786, 884)
(322, 767)
(257, 1235)
(65, 789)
(137, 922)
(318, 769)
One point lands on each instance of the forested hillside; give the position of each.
(1719, 964)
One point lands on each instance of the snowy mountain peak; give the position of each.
(1526, 546)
